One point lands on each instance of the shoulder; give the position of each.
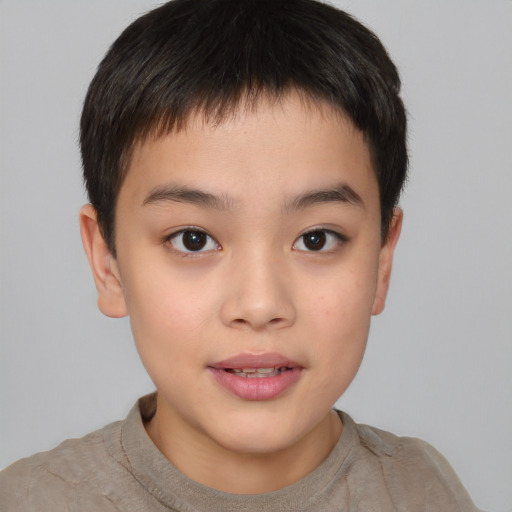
(403, 450)
(411, 471)
(59, 478)
(416, 455)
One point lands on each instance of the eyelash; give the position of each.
(339, 239)
(187, 252)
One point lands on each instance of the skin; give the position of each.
(254, 288)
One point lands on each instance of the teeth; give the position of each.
(257, 372)
(265, 370)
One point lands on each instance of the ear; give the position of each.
(386, 261)
(103, 265)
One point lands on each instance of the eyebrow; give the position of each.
(341, 193)
(184, 194)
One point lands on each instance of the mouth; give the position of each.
(251, 360)
(256, 376)
(257, 373)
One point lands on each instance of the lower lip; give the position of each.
(257, 388)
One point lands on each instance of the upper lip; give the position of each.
(248, 360)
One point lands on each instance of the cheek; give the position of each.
(338, 344)
(344, 297)
(339, 318)
(167, 315)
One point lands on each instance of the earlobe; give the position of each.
(386, 262)
(104, 267)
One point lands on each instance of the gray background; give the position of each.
(439, 361)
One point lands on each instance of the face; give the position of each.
(253, 245)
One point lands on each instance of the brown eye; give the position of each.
(192, 240)
(319, 240)
(315, 240)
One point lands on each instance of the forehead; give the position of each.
(272, 146)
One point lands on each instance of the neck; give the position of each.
(212, 465)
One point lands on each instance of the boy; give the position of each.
(244, 161)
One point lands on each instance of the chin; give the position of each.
(254, 443)
(257, 435)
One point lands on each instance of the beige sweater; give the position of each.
(118, 468)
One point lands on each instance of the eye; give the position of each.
(192, 240)
(319, 240)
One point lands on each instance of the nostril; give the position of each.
(239, 321)
(257, 311)
(276, 320)
(243, 323)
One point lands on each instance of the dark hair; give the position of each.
(210, 55)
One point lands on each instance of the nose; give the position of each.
(258, 295)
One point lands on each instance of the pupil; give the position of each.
(194, 240)
(314, 240)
